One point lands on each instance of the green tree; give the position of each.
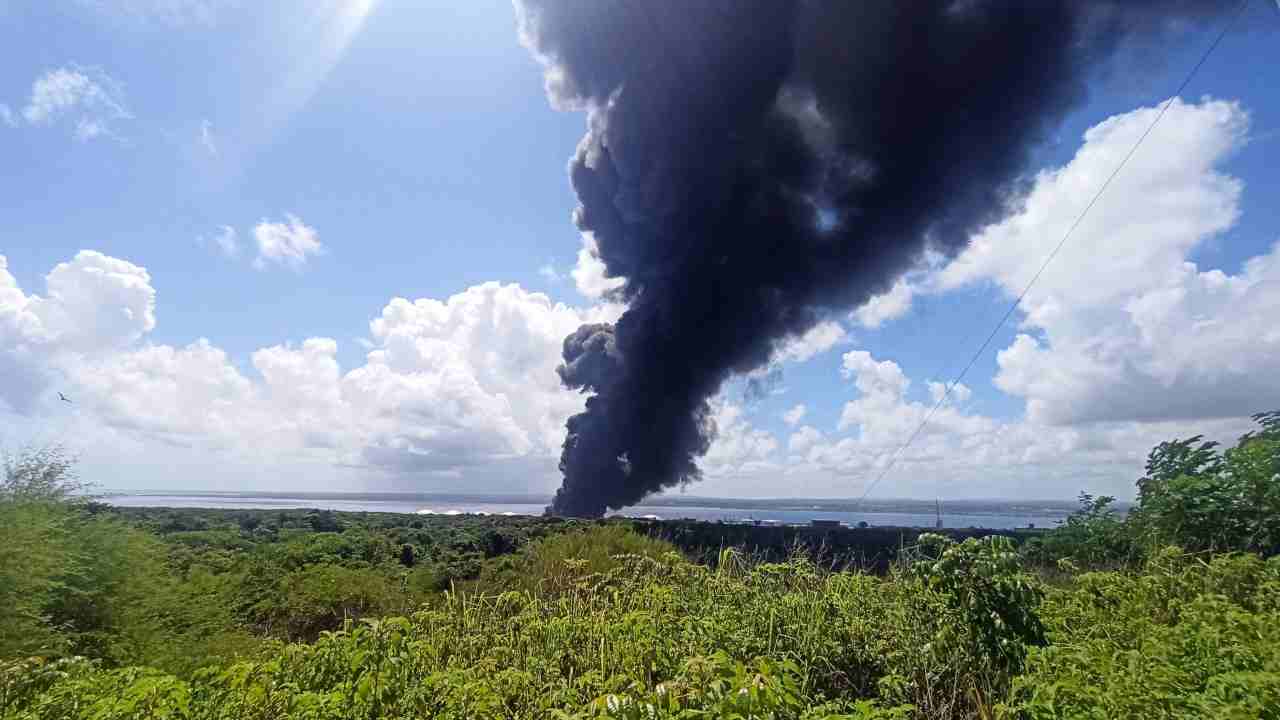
(37, 550)
(1202, 499)
(1093, 536)
(323, 521)
(984, 583)
(1253, 465)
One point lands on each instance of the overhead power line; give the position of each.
(1054, 253)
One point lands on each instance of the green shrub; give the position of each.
(322, 597)
(558, 562)
(439, 618)
(664, 638)
(1201, 499)
(1184, 639)
(39, 552)
(1093, 537)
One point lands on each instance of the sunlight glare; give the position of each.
(313, 46)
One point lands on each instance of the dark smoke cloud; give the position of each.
(751, 165)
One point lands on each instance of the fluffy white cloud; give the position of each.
(1206, 345)
(448, 386)
(96, 301)
(87, 97)
(92, 303)
(883, 308)
(473, 375)
(1151, 346)
(960, 393)
(462, 391)
(289, 243)
(819, 339)
(589, 272)
(1123, 325)
(1168, 200)
(23, 343)
(739, 448)
(190, 397)
(961, 454)
(872, 377)
(896, 302)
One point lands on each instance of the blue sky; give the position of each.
(412, 142)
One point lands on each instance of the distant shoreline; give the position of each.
(827, 504)
(908, 512)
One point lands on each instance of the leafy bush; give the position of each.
(76, 581)
(1201, 499)
(986, 586)
(38, 552)
(321, 597)
(182, 613)
(1185, 639)
(557, 562)
(1092, 537)
(665, 638)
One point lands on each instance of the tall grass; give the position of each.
(556, 563)
(650, 635)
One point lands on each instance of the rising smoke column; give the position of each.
(751, 165)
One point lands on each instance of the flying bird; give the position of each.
(63, 398)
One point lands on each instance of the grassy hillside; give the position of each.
(1171, 611)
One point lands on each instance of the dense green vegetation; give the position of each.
(1171, 611)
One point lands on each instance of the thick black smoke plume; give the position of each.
(753, 164)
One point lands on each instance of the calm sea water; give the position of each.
(964, 514)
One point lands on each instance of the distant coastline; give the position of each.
(993, 513)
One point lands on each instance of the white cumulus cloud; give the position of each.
(883, 308)
(92, 303)
(1127, 340)
(817, 340)
(1124, 325)
(960, 393)
(289, 243)
(462, 388)
(589, 272)
(739, 448)
(962, 454)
